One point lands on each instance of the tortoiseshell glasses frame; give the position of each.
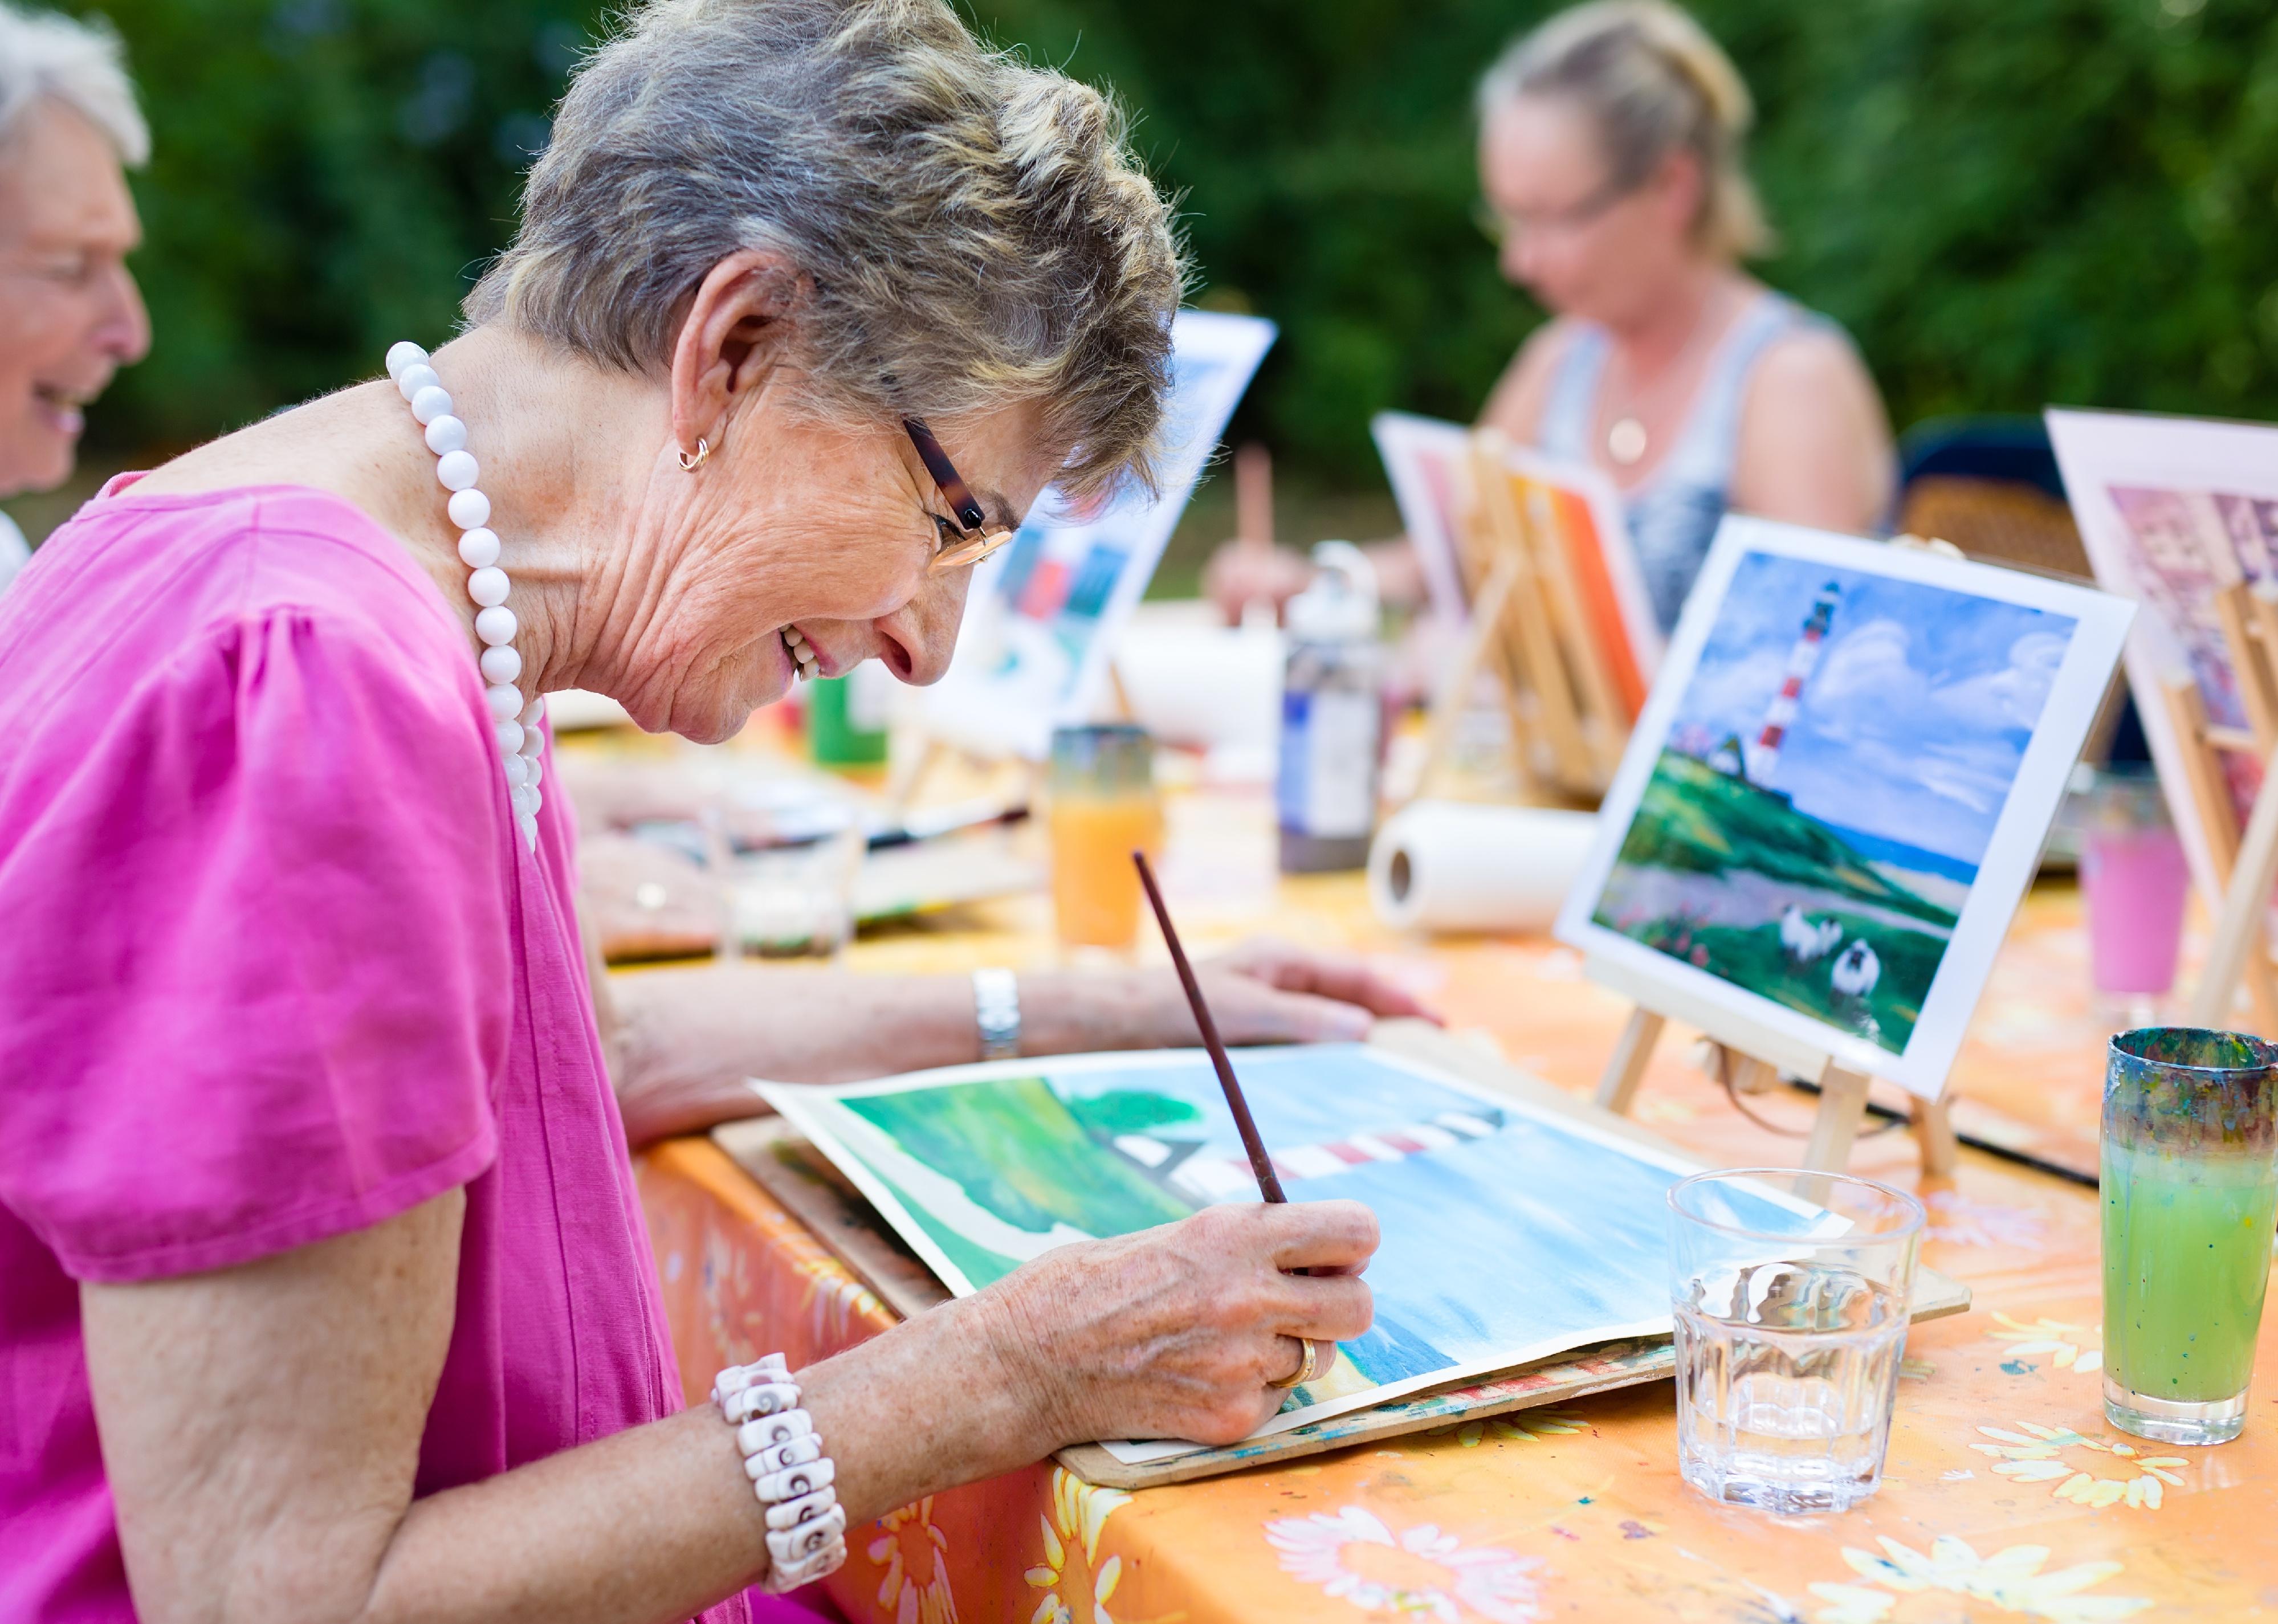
(977, 540)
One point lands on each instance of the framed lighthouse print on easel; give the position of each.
(1836, 795)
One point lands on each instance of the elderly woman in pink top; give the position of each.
(324, 1292)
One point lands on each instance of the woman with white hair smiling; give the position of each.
(324, 1290)
(70, 315)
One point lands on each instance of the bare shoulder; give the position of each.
(1515, 406)
(1808, 365)
(292, 445)
(1814, 442)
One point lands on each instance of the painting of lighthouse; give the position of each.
(1763, 760)
(1829, 762)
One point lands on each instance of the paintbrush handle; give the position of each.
(1269, 1185)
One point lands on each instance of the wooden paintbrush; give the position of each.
(1268, 1185)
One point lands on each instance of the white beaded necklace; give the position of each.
(521, 744)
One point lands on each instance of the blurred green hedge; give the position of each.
(2007, 204)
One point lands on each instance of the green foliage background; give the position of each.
(2006, 203)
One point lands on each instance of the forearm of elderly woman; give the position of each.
(261, 1425)
(683, 1042)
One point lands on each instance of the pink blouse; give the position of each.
(274, 966)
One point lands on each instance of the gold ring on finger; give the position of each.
(1308, 1367)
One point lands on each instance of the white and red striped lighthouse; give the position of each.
(1763, 755)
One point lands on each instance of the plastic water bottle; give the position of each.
(1331, 716)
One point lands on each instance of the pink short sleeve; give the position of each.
(255, 977)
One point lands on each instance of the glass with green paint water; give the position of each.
(2190, 1189)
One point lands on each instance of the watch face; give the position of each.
(996, 1013)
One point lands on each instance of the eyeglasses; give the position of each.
(977, 541)
(1499, 227)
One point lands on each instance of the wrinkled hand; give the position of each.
(1175, 1331)
(1271, 991)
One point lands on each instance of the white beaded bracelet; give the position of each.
(792, 1478)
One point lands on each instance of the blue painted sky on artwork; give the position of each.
(1912, 725)
(1504, 1242)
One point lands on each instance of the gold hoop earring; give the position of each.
(690, 461)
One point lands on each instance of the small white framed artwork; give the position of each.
(1840, 787)
(1045, 613)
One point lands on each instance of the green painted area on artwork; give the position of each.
(1022, 1154)
(1693, 817)
(1713, 836)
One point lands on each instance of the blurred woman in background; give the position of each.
(1610, 143)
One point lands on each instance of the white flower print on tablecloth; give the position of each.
(2065, 1346)
(915, 1554)
(2036, 1456)
(1079, 1510)
(1419, 1572)
(2011, 1580)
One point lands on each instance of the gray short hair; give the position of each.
(1653, 83)
(78, 63)
(970, 231)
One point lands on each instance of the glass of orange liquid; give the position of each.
(1103, 807)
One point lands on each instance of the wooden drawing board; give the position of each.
(781, 1162)
(799, 1177)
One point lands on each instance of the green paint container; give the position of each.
(2190, 1176)
(846, 721)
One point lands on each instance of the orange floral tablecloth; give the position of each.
(2007, 1496)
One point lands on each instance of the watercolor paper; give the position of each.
(1510, 1233)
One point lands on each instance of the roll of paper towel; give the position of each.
(1447, 865)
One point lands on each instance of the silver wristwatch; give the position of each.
(996, 1011)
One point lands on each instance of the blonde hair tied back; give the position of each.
(1652, 82)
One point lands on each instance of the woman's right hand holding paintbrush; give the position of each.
(1174, 1331)
(1177, 1331)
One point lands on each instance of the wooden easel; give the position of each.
(1527, 626)
(2243, 864)
(1760, 1055)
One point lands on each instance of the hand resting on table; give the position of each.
(683, 1040)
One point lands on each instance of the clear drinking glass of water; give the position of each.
(1791, 1294)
